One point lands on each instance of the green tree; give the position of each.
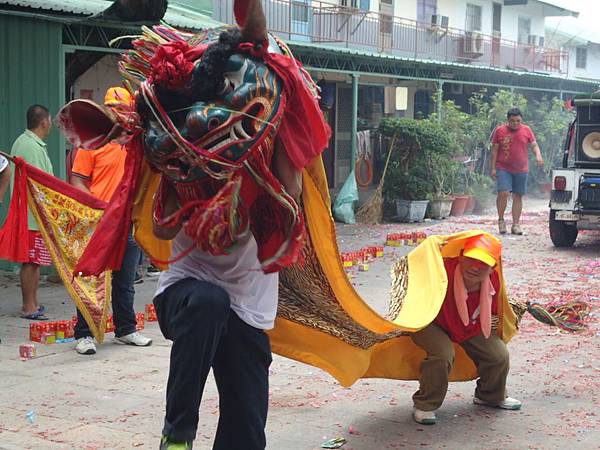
(550, 122)
(422, 154)
(501, 102)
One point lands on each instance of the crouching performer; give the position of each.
(465, 318)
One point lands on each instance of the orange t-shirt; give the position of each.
(104, 168)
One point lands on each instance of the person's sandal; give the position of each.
(516, 229)
(38, 315)
(501, 226)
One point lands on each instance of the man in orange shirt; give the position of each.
(102, 170)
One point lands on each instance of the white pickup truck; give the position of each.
(575, 195)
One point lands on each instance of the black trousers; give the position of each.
(206, 332)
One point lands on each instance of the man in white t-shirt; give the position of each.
(215, 310)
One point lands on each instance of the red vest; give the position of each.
(448, 317)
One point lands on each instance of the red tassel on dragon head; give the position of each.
(211, 110)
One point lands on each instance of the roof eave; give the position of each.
(551, 10)
(177, 15)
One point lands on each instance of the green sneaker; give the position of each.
(165, 444)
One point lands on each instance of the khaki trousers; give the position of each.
(490, 357)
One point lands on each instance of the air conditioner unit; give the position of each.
(473, 44)
(438, 21)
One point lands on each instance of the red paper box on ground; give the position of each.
(52, 327)
(139, 319)
(36, 330)
(151, 313)
(61, 330)
(110, 326)
(27, 351)
(69, 330)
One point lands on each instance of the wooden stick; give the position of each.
(388, 159)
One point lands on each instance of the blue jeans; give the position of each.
(122, 296)
(511, 182)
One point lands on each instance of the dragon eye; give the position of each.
(213, 123)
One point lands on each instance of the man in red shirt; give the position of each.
(465, 319)
(510, 166)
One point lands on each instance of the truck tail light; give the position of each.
(560, 183)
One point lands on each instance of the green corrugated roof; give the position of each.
(387, 56)
(178, 15)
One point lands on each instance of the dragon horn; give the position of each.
(251, 19)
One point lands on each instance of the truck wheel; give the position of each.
(562, 235)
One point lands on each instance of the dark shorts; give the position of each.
(511, 182)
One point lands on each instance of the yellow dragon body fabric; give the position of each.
(323, 322)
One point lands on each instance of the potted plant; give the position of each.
(440, 202)
(471, 201)
(459, 187)
(420, 169)
(408, 190)
(424, 152)
(406, 186)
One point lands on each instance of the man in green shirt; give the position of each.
(31, 147)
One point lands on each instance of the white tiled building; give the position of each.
(391, 57)
(580, 43)
(481, 32)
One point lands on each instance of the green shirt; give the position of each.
(33, 150)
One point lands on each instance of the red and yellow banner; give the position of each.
(67, 218)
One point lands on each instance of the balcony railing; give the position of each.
(335, 25)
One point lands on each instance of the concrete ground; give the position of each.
(115, 399)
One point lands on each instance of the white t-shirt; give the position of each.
(3, 164)
(253, 294)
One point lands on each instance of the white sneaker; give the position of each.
(508, 403)
(135, 338)
(85, 346)
(501, 226)
(424, 417)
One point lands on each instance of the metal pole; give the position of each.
(416, 39)
(440, 99)
(61, 170)
(354, 141)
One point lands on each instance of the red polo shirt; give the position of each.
(448, 317)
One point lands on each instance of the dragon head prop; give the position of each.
(218, 110)
(210, 111)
